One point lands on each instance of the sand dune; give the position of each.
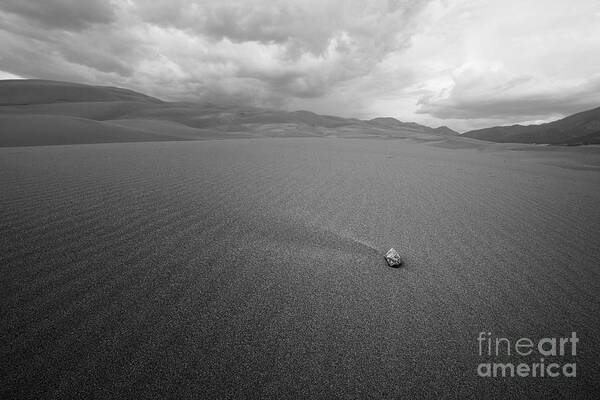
(204, 120)
(253, 267)
(38, 91)
(41, 130)
(94, 110)
(62, 106)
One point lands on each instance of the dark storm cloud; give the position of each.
(265, 51)
(31, 50)
(298, 48)
(61, 14)
(301, 25)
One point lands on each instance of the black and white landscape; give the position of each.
(196, 199)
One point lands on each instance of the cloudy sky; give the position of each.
(461, 63)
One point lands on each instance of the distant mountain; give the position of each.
(580, 128)
(34, 112)
(445, 130)
(390, 122)
(393, 123)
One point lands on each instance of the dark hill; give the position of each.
(580, 128)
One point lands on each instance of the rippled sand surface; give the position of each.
(254, 267)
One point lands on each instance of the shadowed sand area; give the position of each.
(254, 267)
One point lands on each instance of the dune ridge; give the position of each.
(136, 115)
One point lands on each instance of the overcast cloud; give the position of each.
(460, 63)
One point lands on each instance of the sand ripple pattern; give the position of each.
(254, 267)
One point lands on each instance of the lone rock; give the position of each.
(393, 258)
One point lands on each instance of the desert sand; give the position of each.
(254, 267)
